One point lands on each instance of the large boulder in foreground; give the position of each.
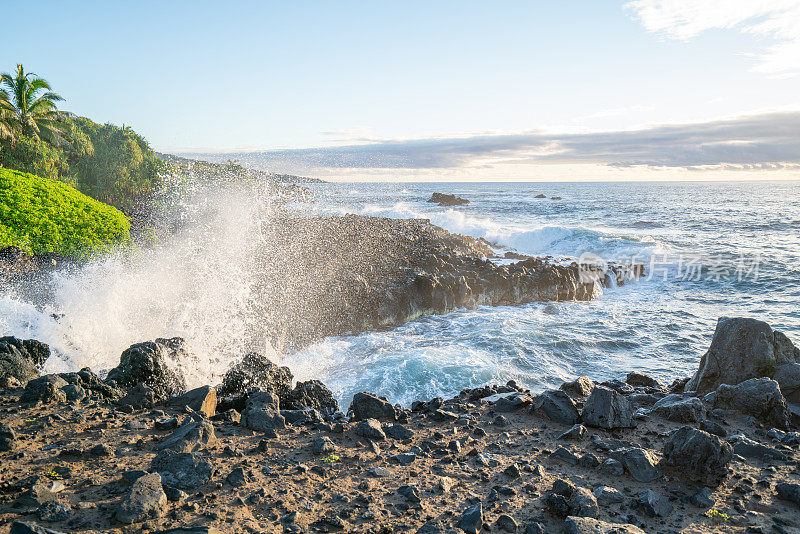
(255, 372)
(262, 412)
(21, 359)
(146, 363)
(759, 397)
(740, 350)
(697, 455)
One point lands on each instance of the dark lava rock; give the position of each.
(683, 410)
(580, 387)
(471, 520)
(655, 504)
(371, 429)
(398, 432)
(183, 470)
(202, 399)
(789, 492)
(45, 389)
(54, 511)
(311, 394)
(323, 445)
(256, 372)
(557, 406)
(146, 500)
(145, 363)
(588, 525)
(191, 437)
(748, 448)
(20, 359)
(369, 406)
(641, 380)
(759, 397)
(640, 463)
(24, 527)
(697, 455)
(8, 439)
(139, 396)
(445, 199)
(605, 408)
(262, 412)
(741, 349)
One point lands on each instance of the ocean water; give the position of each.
(710, 249)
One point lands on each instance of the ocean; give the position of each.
(710, 250)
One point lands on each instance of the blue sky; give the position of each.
(286, 85)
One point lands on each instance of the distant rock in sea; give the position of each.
(444, 199)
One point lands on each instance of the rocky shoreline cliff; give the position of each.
(135, 452)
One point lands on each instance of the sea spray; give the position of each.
(195, 283)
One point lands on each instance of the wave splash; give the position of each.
(196, 284)
(541, 240)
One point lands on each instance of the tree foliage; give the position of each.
(42, 215)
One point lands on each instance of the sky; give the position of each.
(436, 90)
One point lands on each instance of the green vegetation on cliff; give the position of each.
(42, 215)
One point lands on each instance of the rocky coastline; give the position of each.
(136, 452)
(323, 276)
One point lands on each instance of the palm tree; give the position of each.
(28, 106)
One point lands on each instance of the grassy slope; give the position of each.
(42, 215)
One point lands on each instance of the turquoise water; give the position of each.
(713, 249)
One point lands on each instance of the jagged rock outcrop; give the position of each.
(742, 349)
(410, 268)
(146, 363)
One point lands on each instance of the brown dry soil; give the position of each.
(290, 489)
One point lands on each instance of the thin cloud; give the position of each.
(778, 20)
(765, 141)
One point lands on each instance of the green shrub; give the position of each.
(44, 215)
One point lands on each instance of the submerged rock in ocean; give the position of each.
(696, 455)
(21, 359)
(146, 363)
(741, 349)
(445, 199)
(605, 408)
(759, 397)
